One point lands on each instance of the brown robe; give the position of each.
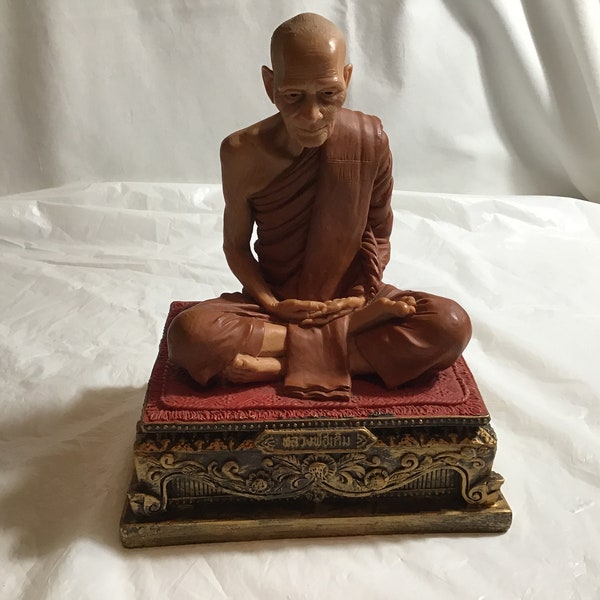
(323, 228)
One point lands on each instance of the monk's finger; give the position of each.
(307, 322)
(355, 301)
(330, 313)
(323, 312)
(313, 306)
(324, 319)
(412, 307)
(339, 304)
(348, 302)
(410, 300)
(333, 305)
(293, 305)
(341, 313)
(315, 322)
(407, 309)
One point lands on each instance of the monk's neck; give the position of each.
(282, 144)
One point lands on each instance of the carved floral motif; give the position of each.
(319, 475)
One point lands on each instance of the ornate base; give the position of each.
(297, 480)
(243, 462)
(226, 523)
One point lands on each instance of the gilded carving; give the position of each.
(317, 475)
(146, 443)
(144, 504)
(442, 436)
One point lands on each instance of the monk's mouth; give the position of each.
(313, 131)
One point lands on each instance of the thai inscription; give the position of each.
(315, 440)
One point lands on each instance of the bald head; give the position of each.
(307, 33)
(309, 79)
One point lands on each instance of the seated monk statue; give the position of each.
(316, 180)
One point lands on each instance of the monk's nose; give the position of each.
(311, 111)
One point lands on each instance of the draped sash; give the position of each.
(315, 243)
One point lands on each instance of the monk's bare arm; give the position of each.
(237, 227)
(237, 232)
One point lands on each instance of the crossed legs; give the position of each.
(234, 338)
(270, 363)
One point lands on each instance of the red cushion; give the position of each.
(173, 396)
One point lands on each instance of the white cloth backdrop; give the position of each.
(492, 108)
(478, 96)
(87, 273)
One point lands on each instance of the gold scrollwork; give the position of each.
(144, 504)
(318, 475)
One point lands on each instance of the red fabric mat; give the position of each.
(174, 397)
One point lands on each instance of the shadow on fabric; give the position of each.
(68, 471)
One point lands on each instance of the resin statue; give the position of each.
(316, 179)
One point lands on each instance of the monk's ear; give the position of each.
(267, 75)
(347, 74)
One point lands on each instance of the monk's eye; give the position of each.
(293, 96)
(329, 95)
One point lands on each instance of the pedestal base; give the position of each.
(224, 523)
(245, 462)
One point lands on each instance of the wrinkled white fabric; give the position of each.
(478, 96)
(493, 112)
(86, 276)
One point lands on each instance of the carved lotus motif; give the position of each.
(258, 483)
(319, 467)
(377, 480)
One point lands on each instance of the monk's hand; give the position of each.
(296, 311)
(407, 305)
(334, 309)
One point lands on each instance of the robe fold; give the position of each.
(323, 228)
(323, 224)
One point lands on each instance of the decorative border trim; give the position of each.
(313, 423)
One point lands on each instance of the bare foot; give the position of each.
(249, 369)
(381, 310)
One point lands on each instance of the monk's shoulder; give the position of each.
(364, 126)
(362, 136)
(244, 150)
(236, 151)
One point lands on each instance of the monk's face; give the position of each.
(308, 86)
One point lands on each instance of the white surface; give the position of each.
(483, 97)
(87, 273)
(478, 96)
